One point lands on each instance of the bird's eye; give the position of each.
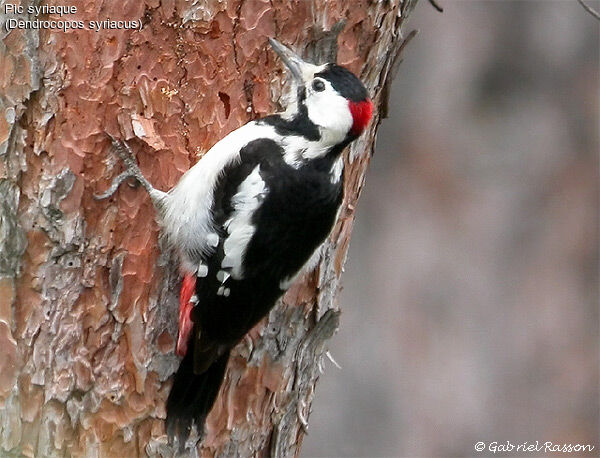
(318, 85)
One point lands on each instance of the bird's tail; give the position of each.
(192, 396)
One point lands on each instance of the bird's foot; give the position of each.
(131, 171)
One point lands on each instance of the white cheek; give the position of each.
(329, 111)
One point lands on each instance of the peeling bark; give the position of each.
(88, 297)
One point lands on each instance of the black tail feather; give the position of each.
(192, 396)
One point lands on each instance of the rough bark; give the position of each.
(88, 299)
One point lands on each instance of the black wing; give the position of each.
(292, 213)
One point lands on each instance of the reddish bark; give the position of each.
(88, 306)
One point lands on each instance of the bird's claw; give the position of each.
(125, 153)
(114, 186)
(131, 168)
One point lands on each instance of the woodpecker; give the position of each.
(248, 218)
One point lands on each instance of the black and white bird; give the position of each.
(248, 217)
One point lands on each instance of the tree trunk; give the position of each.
(88, 299)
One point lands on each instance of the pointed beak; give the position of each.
(291, 60)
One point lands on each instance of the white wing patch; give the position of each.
(223, 276)
(212, 239)
(188, 220)
(202, 270)
(239, 227)
(336, 171)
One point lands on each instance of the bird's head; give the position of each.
(335, 100)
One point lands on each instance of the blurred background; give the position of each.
(470, 301)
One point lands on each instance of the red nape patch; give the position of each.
(188, 286)
(361, 115)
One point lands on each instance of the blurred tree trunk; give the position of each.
(88, 300)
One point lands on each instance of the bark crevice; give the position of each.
(88, 291)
